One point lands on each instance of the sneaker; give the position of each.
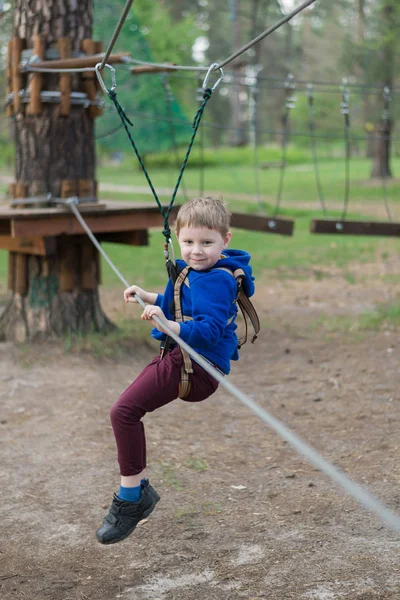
(123, 516)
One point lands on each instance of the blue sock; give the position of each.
(131, 494)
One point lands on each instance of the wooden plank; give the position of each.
(261, 223)
(369, 228)
(130, 238)
(35, 105)
(41, 246)
(65, 49)
(68, 224)
(21, 274)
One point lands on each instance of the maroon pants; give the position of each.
(156, 386)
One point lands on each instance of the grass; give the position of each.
(231, 174)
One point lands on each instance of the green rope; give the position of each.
(195, 125)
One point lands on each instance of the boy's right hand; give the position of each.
(129, 294)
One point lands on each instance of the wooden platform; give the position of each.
(107, 217)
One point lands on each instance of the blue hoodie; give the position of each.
(210, 301)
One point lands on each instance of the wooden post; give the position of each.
(68, 188)
(9, 78)
(89, 80)
(68, 264)
(85, 188)
(35, 105)
(17, 79)
(99, 49)
(88, 265)
(11, 271)
(21, 191)
(21, 274)
(65, 49)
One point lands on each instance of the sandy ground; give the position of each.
(242, 515)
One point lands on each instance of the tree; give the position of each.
(50, 148)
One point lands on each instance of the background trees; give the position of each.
(329, 41)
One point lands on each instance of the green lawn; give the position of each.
(272, 254)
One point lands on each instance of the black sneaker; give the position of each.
(123, 516)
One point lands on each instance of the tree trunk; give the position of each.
(381, 166)
(56, 294)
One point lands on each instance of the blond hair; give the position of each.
(204, 212)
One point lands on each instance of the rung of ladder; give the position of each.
(261, 223)
(376, 228)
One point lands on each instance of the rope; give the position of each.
(346, 113)
(311, 124)
(195, 125)
(264, 34)
(364, 497)
(116, 33)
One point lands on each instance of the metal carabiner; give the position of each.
(99, 77)
(212, 68)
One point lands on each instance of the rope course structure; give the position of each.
(343, 226)
(356, 491)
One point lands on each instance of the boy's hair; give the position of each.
(204, 212)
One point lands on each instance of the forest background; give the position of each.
(355, 39)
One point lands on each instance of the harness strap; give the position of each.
(187, 367)
(246, 307)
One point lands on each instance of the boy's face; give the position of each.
(201, 247)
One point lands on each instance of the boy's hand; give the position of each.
(155, 311)
(147, 297)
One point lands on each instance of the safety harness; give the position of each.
(242, 300)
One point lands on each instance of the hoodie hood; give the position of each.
(234, 259)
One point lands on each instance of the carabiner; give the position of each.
(212, 68)
(99, 77)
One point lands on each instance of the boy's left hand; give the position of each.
(155, 311)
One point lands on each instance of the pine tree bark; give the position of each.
(51, 148)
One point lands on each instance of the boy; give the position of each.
(206, 308)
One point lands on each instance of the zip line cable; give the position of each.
(216, 66)
(116, 33)
(263, 35)
(364, 497)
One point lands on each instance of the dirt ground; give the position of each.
(241, 514)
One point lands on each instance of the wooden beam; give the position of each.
(68, 224)
(21, 274)
(35, 105)
(11, 271)
(81, 62)
(369, 228)
(89, 79)
(41, 246)
(17, 79)
(139, 70)
(261, 223)
(88, 264)
(130, 238)
(65, 49)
